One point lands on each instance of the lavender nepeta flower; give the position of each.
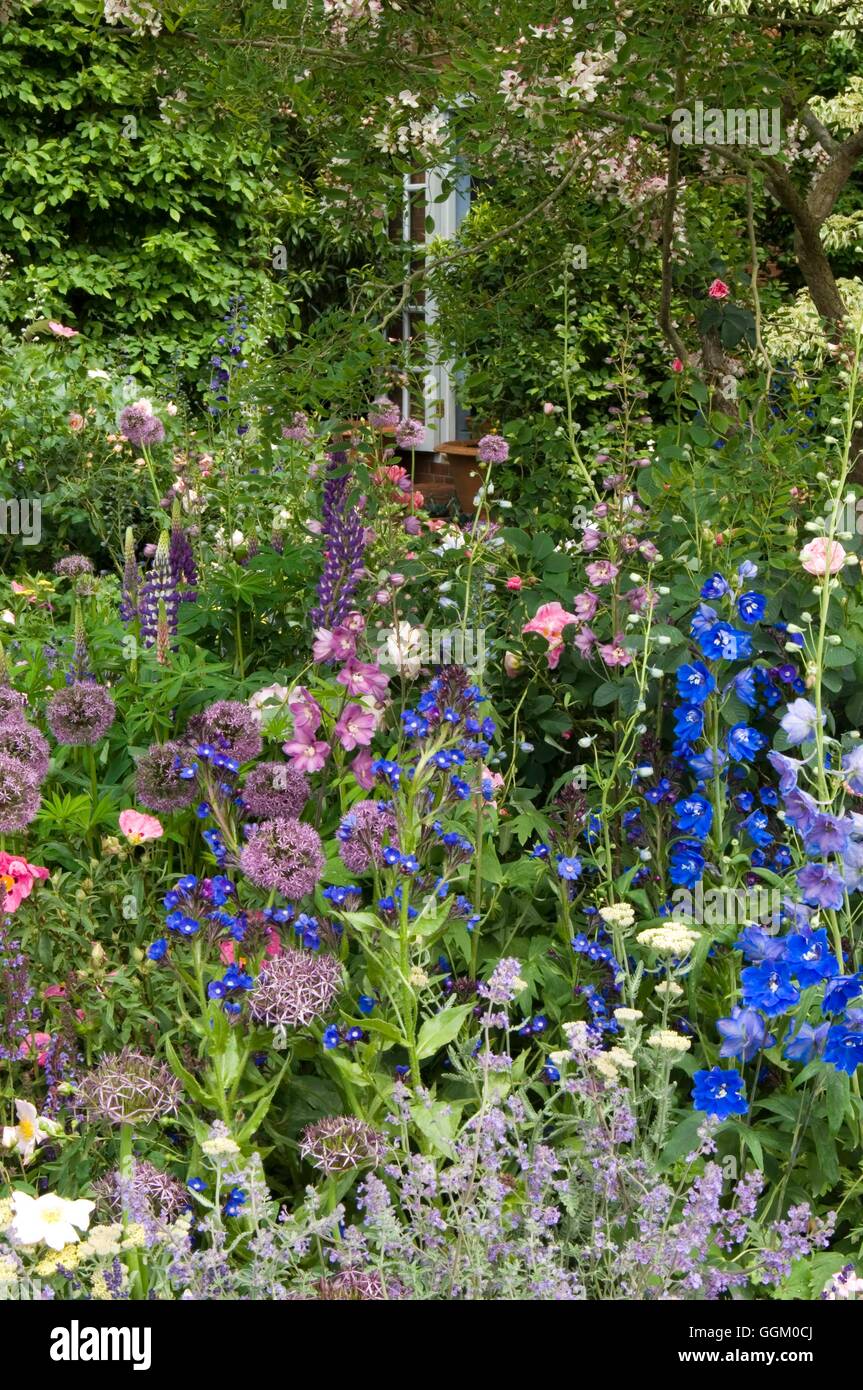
(158, 595)
(364, 833)
(230, 726)
(160, 784)
(341, 1142)
(275, 789)
(71, 566)
(492, 449)
(410, 434)
(284, 854)
(81, 714)
(504, 983)
(20, 798)
(12, 705)
(129, 1087)
(140, 426)
(295, 988)
(27, 745)
(345, 543)
(158, 1193)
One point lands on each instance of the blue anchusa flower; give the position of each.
(719, 1092)
(744, 1034)
(568, 867)
(331, 1038)
(365, 1004)
(158, 950)
(196, 1185)
(551, 1073)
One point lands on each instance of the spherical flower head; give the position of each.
(284, 854)
(275, 789)
(27, 745)
(384, 414)
(19, 794)
(340, 1143)
(822, 556)
(492, 449)
(357, 1286)
(140, 426)
(80, 714)
(230, 726)
(365, 832)
(159, 784)
(410, 434)
(295, 988)
(12, 705)
(129, 1087)
(72, 566)
(160, 1194)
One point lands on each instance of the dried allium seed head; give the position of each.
(341, 1142)
(159, 785)
(162, 1195)
(295, 988)
(129, 1087)
(356, 1285)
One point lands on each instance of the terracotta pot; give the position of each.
(467, 476)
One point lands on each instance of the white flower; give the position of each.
(618, 915)
(669, 987)
(621, 1058)
(628, 1015)
(7, 616)
(664, 1040)
(50, 1218)
(28, 1132)
(674, 939)
(96, 374)
(405, 646)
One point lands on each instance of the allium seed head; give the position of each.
(81, 713)
(342, 1142)
(284, 854)
(129, 1087)
(158, 784)
(230, 727)
(275, 789)
(295, 988)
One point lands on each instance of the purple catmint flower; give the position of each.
(345, 543)
(129, 1087)
(184, 571)
(27, 746)
(17, 1014)
(283, 854)
(160, 784)
(71, 566)
(81, 714)
(159, 588)
(295, 988)
(140, 426)
(159, 1194)
(504, 983)
(342, 1142)
(131, 579)
(492, 449)
(365, 832)
(20, 798)
(230, 727)
(275, 789)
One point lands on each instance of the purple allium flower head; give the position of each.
(384, 414)
(27, 745)
(140, 426)
(492, 449)
(365, 831)
(159, 1194)
(341, 1142)
(345, 542)
(275, 789)
(12, 705)
(410, 434)
(230, 727)
(159, 784)
(360, 1286)
(82, 713)
(295, 988)
(19, 794)
(158, 588)
(71, 566)
(129, 1087)
(284, 854)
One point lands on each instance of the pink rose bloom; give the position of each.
(35, 1044)
(822, 555)
(677, 365)
(355, 728)
(75, 421)
(585, 605)
(590, 539)
(601, 572)
(718, 290)
(362, 678)
(138, 828)
(514, 582)
(307, 754)
(306, 712)
(337, 645)
(361, 767)
(549, 621)
(548, 408)
(614, 653)
(584, 642)
(16, 879)
(512, 664)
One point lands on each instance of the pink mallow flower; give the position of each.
(306, 753)
(138, 828)
(601, 572)
(16, 880)
(549, 621)
(614, 653)
(822, 555)
(355, 728)
(363, 678)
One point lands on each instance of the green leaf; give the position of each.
(440, 1030)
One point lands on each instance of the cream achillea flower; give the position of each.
(621, 1058)
(673, 939)
(669, 987)
(606, 1067)
(628, 1015)
(665, 1040)
(618, 915)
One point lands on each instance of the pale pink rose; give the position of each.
(61, 331)
(75, 421)
(16, 880)
(822, 555)
(718, 290)
(548, 408)
(139, 828)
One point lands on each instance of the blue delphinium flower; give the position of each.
(839, 993)
(799, 721)
(744, 687)
(769, 987)
(751, 606)
(744, 1034)
(694, 815)
(694, 682)
(715, 587)
(759, 945)
(756, 828)
(688, 724)
(807, 1042)
(852, 764)
(743, 742)
(726, 643)
(788, 769)
(809, 958)
(844, 1049)
(719, 1092)
(821, 886)
(686, 864)
(828, 835)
